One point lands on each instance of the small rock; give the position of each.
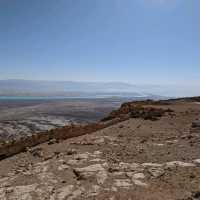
(57, 154)
(82, 156)
(158, 144)
(195, 124)
(92, 170)
(120, 135)
(118, 173)
(196, 195)
(65, 192)
(97, 152)
(53, 141)
(36, 152)
(130, 167)
(121, 126)
(75, 162)
(63, 167)
(197, 161)
(138, 176)
(71, 152)
(99, 141)
(125, 183)
(152, 165)
(48, 157)
(143, 141)
(180, 164)
(94, 191)
(156, 172)
(135, 177)
(97, 160)
(171, 142)
(114, 189)
(139, 183)
(101, 177)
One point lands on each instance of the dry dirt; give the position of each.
(133, 160)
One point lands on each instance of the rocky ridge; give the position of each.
(135, 158)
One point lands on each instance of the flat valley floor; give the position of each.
(21, 118)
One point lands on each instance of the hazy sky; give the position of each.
(136, 41)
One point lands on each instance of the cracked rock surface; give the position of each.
(134, 160)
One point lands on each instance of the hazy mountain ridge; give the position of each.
(66, 88)
(83, 89)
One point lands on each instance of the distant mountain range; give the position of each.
(62, 86)
(81, 89)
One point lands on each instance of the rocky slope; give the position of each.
(152, 155)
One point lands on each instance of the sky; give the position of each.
(133, 41)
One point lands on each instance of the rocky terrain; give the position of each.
(150, 151)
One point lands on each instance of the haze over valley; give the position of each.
(12, 88)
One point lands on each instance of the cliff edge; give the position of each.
(144, 151)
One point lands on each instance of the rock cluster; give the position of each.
(87, 168)
(134, 110)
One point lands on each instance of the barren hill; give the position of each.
(150, 151)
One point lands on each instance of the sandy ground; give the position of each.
(133, 160)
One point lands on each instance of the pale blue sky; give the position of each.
(135, 41)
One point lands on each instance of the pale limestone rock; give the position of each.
(94, 191)
(79, 159)
(82, 156)
(75, 162)
(138, 176)
(65, 192)
(114, 189)
(158, 144)
(129, 166)
(99, 140)
(62, 161)
(47, 178)
(105, 165)
(41, 167)
(139, 183)
(4, 181)
(69, 192)
(97, 153)
(152, 165)
(111, 139)
(197, 161)
(27, 173)
(97, 160)
(118, 173)
(179, 164)
(76, 193)
(135, 177)
(63, 167)
(156, 172)
(124, 183)
(171, 141)
(71, 151)
(101, 177)
(92, 170)
(2, 194)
